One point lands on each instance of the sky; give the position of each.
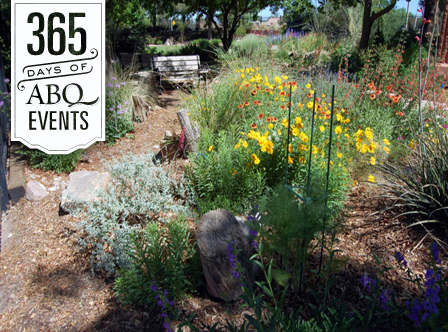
(400, 4)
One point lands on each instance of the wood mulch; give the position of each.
(46, 282)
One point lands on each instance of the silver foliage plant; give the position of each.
(139, 193)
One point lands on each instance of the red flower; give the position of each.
(283, 93)
(389, 88)
(268, 119)
(372, 96)
(400, 113)
(283, 107)
(247, 85)
(254, 92)
(274, 119)
(260, 116)
(253, 126)
(246, 103)
(240, 106)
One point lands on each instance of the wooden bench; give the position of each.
(177, 68)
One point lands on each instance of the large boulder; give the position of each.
(83, 186)
(216, 229)
(35, 191)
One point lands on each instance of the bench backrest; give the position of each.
(176, 63)
(172, 64)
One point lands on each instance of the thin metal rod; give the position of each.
(289, 130)
(328, 180)
(307, 189)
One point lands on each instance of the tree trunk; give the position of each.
(368, 21)
(430, 8)
(191, 134)
(366, 25)
(141, 109)
(210, 31)
(443, 39)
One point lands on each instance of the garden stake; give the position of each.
(328, 179)
(306, 199)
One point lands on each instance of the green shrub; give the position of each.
(59, 163)
(159, 255)
(219, 174)
(139, 193)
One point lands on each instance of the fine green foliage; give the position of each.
(289, 225)
(219, 175)
(160, 254)
(139, 193)
(60, 163)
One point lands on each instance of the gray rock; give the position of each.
(83, 186)
(216, 229)
(35, 191)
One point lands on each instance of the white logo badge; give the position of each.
(58, 103)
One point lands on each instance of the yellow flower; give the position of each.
(285, 123)
(245, 145)
(279, 132)
(280, 87)
(277, 80)
(312, 92)
(338, 130)
(322, 128)
(368, 133)
(285, 77)
(355, 183)
(290, 160)
(371, 178)
(270, 126)
(290, 148)
(210, 148)
(339, 155)
(303, 137)
(233, 171)
(242, 75)
(315, 149)
(309, 104)
(372, 160)
(276, 98)
(247, 70)
(346, 120)
(386, 141)
(363, 149)
(255, 159)
(299, 122)
(237, 146)
(295, 131)
(308, 86)
(386, 149)
(323, 95)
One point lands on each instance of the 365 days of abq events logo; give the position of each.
(58, 103)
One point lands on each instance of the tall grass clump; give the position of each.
(418, 186)
(139, 193)
(119, 103)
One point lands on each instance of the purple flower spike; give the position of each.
(126, 103)
(113, 78)
(435, 253)
(400, 258)
(110, 85)
(6, 80)
(110, 93)
(117, 86)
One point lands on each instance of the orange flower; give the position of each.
(255, 102)
(292, 83)
(247, 85)
(317, 99)
(319, 107)
(373, 96)
(389, 88)
(378, 92)
(356, 86)
(283, 107)
(266, 90)
(253, 126)
(260, 116)
(258, 88)
(309, 95)
(322, 112)
(371, 86)
(400, 113)
(268, 119)
(240, 106)
(254, 92)
(274, 119)
(246, 103)
(283, 93)
(284, 83)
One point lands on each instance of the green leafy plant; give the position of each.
(288, 226)
(160, 255)
(219, 175)
(60, 163)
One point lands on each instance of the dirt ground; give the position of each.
(46, 283)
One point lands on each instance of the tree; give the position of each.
(369, 18)
(226, 15)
